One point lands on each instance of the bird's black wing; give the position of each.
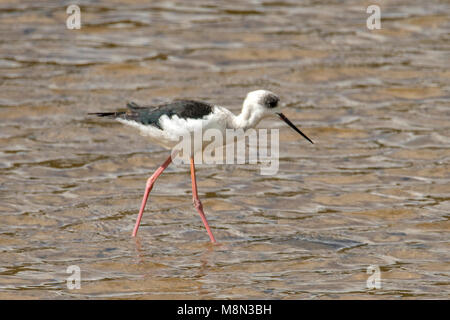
(186, 109)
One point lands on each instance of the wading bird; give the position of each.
(166, 123)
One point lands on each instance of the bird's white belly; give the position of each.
(175, 130)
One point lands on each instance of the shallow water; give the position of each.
(373, 189)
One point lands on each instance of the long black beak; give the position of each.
(283, 117)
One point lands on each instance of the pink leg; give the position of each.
(197, 204)
(148, 188)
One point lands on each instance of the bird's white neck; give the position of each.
(248, 118)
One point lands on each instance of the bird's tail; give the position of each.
(107, 114)
(131, 105)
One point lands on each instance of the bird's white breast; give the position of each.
(174, 128)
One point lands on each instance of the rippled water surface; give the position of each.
(373, 189)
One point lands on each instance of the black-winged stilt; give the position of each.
(167, 122)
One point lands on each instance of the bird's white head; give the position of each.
(262, 101)
(258, 105)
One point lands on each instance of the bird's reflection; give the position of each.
(206, 256)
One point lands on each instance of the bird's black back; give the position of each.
(186, 109)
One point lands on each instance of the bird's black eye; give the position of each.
(271, 101)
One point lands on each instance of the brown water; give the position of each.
(373, 190)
